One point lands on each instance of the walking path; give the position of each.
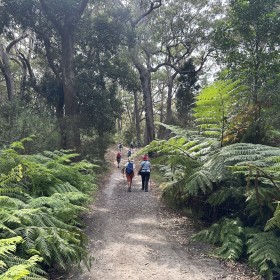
(133, 237)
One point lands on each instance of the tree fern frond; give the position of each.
(8, 202)
(225, 193)
(263, 251)
(14, 267)
(210, 235)
(274, 222)
(200, 181)
(227, 233)
(8, 245)
(14, 175)
(21, 271)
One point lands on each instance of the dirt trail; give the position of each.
(133, 237)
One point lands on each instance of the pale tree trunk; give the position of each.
(145, 78)
(6, 70)
(137, 117)
(170, 83)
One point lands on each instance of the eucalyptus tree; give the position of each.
(249, 41)
(166, 35)
(60, 20)
(184, 30)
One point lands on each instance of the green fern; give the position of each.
(200, 181)
(12, 267)
(229, 234)
(42, 197)
(226, 193)
(213, 105)
(263, 251)
(274, 222)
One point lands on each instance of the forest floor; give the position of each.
(133, 236)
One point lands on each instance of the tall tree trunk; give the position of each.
(137, 117)
(170, 80)
(66, 29)
(72, 132)
(6, 70)
(145, 78)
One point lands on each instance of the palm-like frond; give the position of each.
(200, 181)
(226, 193)
(274, 222)
(229, 234)
(263, 250)
(13, 267)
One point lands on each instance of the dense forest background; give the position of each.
(194, 82)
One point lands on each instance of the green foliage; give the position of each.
(42, 197)
(274, 222)
(213, 107)
(228, 234)
(248, 41)
(237, 184)
(263, 251)
(13, 267)
(20, 119)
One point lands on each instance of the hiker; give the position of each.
(128, 170)
(120, 147)
(131, 145)
(118, 157)
(145, 171)
(129, 153)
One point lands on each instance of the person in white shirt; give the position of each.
(145, 171)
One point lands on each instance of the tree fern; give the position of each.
(274, 222)
(212, 108)
(13, 267)
(41, 197)
(263, 251)
(226, 193)
(229, 234)
(200, 181)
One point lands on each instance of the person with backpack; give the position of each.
(120, 147)
(145, 172)
(128, 170)
(129, 153)
(118, 157)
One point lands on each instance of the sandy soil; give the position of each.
(134, 237)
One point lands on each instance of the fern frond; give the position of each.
(263, 251)
(8, 202)
(14, 175)
(274, 222)
(210, 235)
(13, 267)
(225, 193)
(199, 182)
(227, 233)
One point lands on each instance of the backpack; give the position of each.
(129, 153)
(129, 168)
(119, 155)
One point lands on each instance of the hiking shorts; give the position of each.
(130, 176)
